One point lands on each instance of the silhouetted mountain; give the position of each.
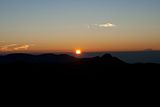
(64, 67)
(15, 58)
(53, 58)
(107, 58)
(44, 58)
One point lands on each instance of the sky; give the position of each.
(90, 25)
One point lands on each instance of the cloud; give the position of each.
(14, 47)
(7, 47)
(88, 26)
(107, 25)
(22, 47)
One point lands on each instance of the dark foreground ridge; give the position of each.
(64, 67)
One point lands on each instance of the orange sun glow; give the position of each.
(78, 51)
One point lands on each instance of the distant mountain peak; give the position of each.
(107, 55)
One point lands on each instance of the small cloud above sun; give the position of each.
(103, 25)
(78, 52)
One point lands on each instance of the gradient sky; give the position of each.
(92, 25)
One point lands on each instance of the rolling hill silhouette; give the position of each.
(53, 58)
(44, 58)
(63, 67)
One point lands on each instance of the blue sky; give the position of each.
(54, 24)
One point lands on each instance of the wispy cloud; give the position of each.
(106, 25)
(14, 47)
(7, 47)
(88, 26)
(22, 47)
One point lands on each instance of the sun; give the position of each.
(78, 52)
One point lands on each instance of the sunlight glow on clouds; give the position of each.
(106, 25)
(14, 47)
(22, 47)
(7, 47)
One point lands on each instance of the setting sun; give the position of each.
(78, 51)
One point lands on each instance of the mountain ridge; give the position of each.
(64, 67)
(55, 58)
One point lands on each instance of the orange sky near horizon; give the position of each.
(90, 25)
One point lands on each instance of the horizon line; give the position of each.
(72, 52)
